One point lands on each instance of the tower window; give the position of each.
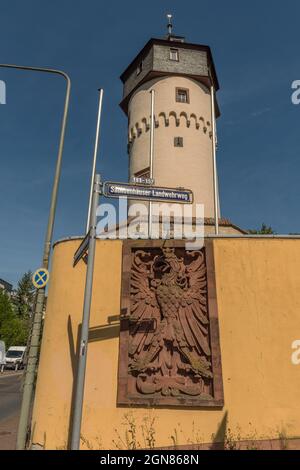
(174, 54)
(178, 141)
(139, 68)
(145, 173)
(182, 95)
(142, 177)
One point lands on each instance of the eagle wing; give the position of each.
(193, 314)
(144, 311)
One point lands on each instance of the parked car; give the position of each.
(14, 358)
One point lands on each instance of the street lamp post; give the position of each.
(38, 313)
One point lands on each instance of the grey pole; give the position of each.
(80, 379)
(95, 157)
(152, 92)
(34, 342)
(215, 180)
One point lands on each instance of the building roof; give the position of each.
(6, 285)
(179, 45)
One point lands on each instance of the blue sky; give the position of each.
(256, 51)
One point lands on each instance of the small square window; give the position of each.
(178, 141)
(174, 54)
(139, 68)
(142, 177)
(143, 173)
(182, 95)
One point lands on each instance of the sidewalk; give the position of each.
(10, 403)
(9, 373)
(8, 433)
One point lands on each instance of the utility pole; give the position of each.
(214, 155)
(152, 123)
(95, 157)
(34, 341)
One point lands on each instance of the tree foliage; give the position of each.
(24, 296)
(15, 313)
(13, 329)
(264, 230)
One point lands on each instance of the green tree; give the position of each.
(24, 296)
(265, 230)
(13, 329)
(6, 309)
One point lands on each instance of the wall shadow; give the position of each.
(96, 333)
(74, 352)
(102, 332)
(220, 436)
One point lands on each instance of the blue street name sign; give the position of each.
(147, 193)
(82, 249)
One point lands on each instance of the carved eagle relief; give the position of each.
(169, 348)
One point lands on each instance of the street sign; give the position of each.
(82, 249)
(147, 193)
(40, 278)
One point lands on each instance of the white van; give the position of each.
(14, 358)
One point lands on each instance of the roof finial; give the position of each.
(170, 25)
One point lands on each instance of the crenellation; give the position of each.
(189, 121)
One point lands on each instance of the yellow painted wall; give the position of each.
(258, 291)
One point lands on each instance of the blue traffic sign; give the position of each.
(40, 278)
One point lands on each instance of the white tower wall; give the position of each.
(189, 166)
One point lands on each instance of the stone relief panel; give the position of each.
(169, 343)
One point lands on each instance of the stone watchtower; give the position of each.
(180, 73)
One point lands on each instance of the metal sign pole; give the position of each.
(95, 157)
(152, 92)
(80, 379)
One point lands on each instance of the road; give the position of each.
(10, 402)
